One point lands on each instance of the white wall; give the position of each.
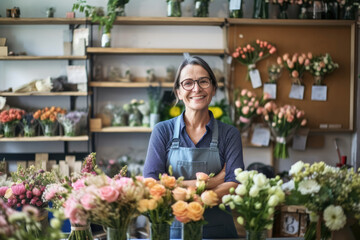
(47, 40)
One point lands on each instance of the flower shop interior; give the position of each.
(72, 84)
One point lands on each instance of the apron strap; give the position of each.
(176, 140)
(214, 140)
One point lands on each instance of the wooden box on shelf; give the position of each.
(95, 124)
(3, 51)
(291, 221)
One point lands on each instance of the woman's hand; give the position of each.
(217, 179)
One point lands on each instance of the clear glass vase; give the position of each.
(106, 39)
(29, 130)
(79, 232)
(261, 9)
(119, 233)
(192, 231)
(256, 235)
(174, 8)
(9, 129)
(49, 128)
(201, 8)
(235, 9)
(160, 231)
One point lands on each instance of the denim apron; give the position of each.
(187, 162)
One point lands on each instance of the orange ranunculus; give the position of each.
(179, 193)
(157, 191)
(195, 211)
(209, 198)
(168, 181)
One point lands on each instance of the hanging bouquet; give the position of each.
(321, 66)
(28, 187)
(73, 122)
(9, 119)
(283, 122)
(296, 65)
(331, 194)
(247, 106)
(25, 225)
(255, 199)
(190, 206)
(251, 53)
(156, 206)
(48, 119)
(220, 110)
(275, 70)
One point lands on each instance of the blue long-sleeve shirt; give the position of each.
(229, 144)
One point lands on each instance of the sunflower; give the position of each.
(217, 112)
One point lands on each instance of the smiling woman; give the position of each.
(196, 142)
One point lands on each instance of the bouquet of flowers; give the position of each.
(251, 53)
(247, 106)
(296, 65)
(283, 122)
(190, 206)
(10, 118)
(73, 122)
(28, 187)
(255, 199)
(29, 124)
(275, 70)
(320, 66)
(156, 206)
(220, 111)
(48, 119)
(25, 225)
(283, 6)
(135, 116)
(154, 94)
(331, 194)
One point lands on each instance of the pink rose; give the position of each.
(22, 196)
(2, 191)
(307, 62)
(310, 55)
(39, 203)
(301, 60)
(261, 54)
(285, 56)
(245, 110)
(18, 189)
(209, 198)
(235, 55)
(272, 50)
(79, 184)
(295, 74)
(109, 194)
(36, 192)
(23, 201)
(238, 103)
(179, 193)
(28, 194)
(303, 122)
(87, 201)
(279, 60)
(33, 201)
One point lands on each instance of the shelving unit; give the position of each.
(46, 139)
(12, 94)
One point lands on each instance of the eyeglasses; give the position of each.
(189, 84)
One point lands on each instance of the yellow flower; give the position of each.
(217, 112)
(174, 111)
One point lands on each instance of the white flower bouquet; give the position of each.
(321, 66)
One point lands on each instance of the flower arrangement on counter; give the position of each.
(283, 122)
(296, 65)
(320, 66)
(251, 53)
(220, 111)
(10, 119)
(331, 194)
(73, 122)
(255, 199)
(247, 106)
(48, 119)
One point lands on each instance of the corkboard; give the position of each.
(336, 39)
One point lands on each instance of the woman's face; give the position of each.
(198, 98)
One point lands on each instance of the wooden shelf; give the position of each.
(289, 22)
(135, 84)
(44, 21)
(124, 130)
(46, 139)
(184, 21)
(43, 58)
(12, 94)
(100, 50)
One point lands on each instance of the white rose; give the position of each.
(226, 198)
(273, 201)
(240, 190)
(297, 167)
(280, 194)
(242, 177)
(240, 220)
(237, 200)
(260, 180)
(254, 191)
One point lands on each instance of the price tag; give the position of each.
(319, 93)
(270, 88)
(261, 136)
(255, 78)
(234, 5)
(297, 91)
(300, 138)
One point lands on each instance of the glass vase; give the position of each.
(29, 130)
(119, 233)
(49, 128)
(303, 12)
(9, 129)
(79, 232)
(201, 9)
(318, 10)
(283, 8)
(256, 235)
(174, 8)
(70, 130)
(192, 231)
(160, 231)
(331, 10)
(261, 9)
(349, 12)
(235, 9)
(106, 39)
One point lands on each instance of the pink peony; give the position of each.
(109, 194)
(36, 192)
(18, 189)
(87, 201)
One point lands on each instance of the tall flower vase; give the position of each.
(261, 9)
(119, 233)
(256, 235)
(49, 128)
(192, 231)
(154, 119)
(29, 130)
(160, 231)
(79, 232)
(9, 129)
(106, 39)
(201, 9)
(174, 8)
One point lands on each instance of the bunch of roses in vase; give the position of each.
(24, 224)
(254, 199)
(247, 107)
(48, 119)
(331, 194)
(283, 122)
(296, 65)
(251, 53)
(29, 124)
(156, 206)
(190, 206)
(110, 202)
(10, 119)
(321, 66)
(73, 122)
